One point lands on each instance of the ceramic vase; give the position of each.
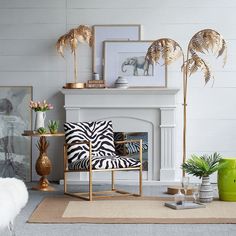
(39, 119)
(206, 191)
(121, 82)
(227, 180)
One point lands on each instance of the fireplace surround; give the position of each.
(150, 110)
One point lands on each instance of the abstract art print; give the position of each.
(128, 60)
(15, 117)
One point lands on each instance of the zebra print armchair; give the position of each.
(90, 148)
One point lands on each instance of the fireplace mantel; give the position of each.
(166, 97)
(129, 91)
(140, 109)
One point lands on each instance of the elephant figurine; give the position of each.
(137, 63)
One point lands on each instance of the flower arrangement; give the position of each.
(40, 106)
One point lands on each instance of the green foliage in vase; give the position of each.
(42, 130)
(203, 166)
(53, 126)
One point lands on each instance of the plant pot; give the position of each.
(206, 191)
(227, 180)
(52, 131)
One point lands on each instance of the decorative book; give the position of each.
(93, 81)
(96, 84)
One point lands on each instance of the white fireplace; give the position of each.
(150, 110)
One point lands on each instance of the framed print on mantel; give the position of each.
(128, 60)
(15, 117)
(111, 32)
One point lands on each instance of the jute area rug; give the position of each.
(143, 210)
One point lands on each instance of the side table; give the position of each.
(43, 165)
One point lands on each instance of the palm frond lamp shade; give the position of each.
(82, 34)
(203, 42)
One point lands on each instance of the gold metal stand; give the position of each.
(43, 164)
(74, 85)
(102, 194)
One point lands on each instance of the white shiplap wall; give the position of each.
(30, 28)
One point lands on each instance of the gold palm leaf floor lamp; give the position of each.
(205, 43)
(169, 50)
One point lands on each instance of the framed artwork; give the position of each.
(111, 32)
(15, 117)
(127, 59)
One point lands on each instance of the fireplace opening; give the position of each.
(132, 149)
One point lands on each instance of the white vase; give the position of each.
(206, 191)
(39, 119)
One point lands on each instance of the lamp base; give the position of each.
(74, 85)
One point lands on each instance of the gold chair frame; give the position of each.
(97, 194)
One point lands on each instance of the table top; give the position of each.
(36, 134)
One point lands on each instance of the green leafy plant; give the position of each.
(42, 130)
(203, 166)
(53, 126)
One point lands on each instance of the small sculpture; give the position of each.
(121, 82)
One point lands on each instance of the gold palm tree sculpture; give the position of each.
(202, 42)
(82, 34)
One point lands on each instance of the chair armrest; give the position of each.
(128, 141)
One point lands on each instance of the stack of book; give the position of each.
(96, 84)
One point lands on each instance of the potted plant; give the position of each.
(42, 130)
(53, 126)
(203, 167)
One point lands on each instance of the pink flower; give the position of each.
(40, 106)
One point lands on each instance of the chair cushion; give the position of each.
(107, 162)
(100, 133)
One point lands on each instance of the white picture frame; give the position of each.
(127, 59)
(107, 33)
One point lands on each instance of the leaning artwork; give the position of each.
(15, 117)
(127, 59)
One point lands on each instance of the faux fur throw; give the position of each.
(13, 197)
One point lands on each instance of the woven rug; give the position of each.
(129, 211)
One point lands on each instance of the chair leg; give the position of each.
(11, 229)
(140, 182)
(65, 182)
(90, 186)
(112, 180)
